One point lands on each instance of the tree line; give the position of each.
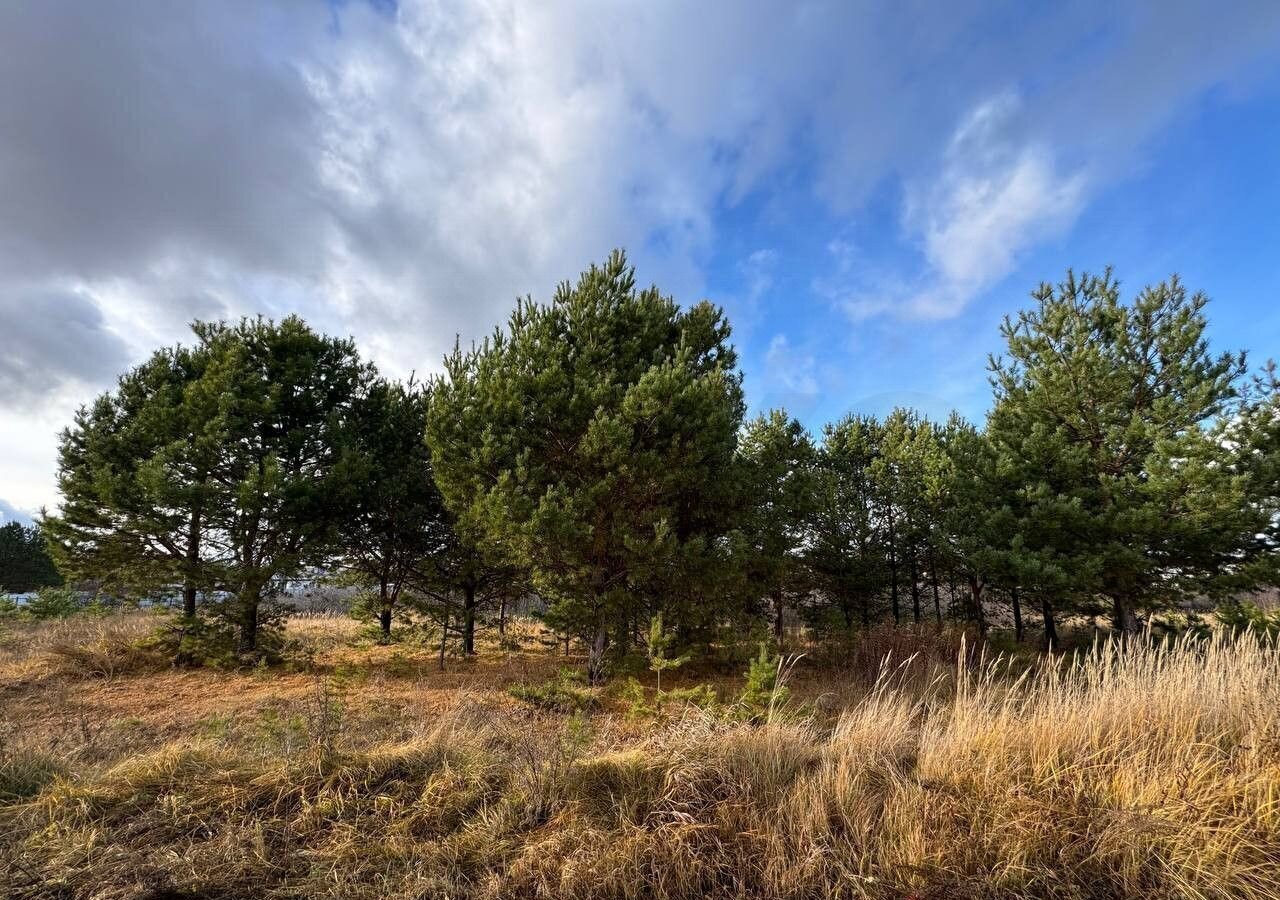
(25, 564)
(595, 453)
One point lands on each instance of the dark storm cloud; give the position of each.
(51, 338)
(132, 130)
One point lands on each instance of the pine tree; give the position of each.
(463, 577)
(1103, 409)
(25, 564)
(288, 471)
(847, 552)
(898, 476)
(778, 466)
(1251, 441)
(657, 645)
(136, 475)
(591, 440)
(398, 518)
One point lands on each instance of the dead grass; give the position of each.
(1132, 771)
(41, 648)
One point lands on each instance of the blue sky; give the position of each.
(1200, 197)
(866, 188)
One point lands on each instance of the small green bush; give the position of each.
(702, 696)
(52, 603)
(764, 693)
(657, 646)
(638, 705)
(564, 693)
(1246, 616)
(632, 693)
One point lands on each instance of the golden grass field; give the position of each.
(362, 771)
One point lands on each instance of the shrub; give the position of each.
(633, 694)
(1246, 616)
(765, 692)
(702, 696)
(564, 693)
(639, 706)
(52, 603)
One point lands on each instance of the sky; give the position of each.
(866, 188)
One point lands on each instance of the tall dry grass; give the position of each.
(94, 646)
(1133, 771)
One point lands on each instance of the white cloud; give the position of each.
(757, 271)
(790, 373)
(10, 513)
(403, 176)
(994, 196)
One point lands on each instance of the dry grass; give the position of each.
(31, 646)
(1138, 771)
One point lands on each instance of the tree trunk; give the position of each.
(893, 573)
(595, 659)
(444, 639)
(915, 589)
(1017, 614)
(189, 600)
(248, 599)
(469, 621)
(1050, 630)
(933, 577)
(975, 590)
(777, 618)
(192, 563)
(384, 611)
(502, 617)
(1123, 619)
(183, 655)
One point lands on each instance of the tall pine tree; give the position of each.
(592, 440)
(136, 472)
(1104, 410)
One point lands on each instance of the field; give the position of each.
(902, 765)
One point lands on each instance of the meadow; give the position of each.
(903, 763)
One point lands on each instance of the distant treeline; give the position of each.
(594, 453)
(25, 564)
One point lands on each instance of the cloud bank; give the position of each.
(402, 174)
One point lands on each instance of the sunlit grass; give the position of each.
(1137, 770)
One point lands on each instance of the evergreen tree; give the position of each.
(847, 552)
(25, 564)
(591, 440)
(1251, 440)
(398, 517)
(1103, 411)
(898, 476)
(979, 523)
(778, 457)
(136, 474)
(463, 577)
(288, 471)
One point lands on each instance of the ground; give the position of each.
(906, 763)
